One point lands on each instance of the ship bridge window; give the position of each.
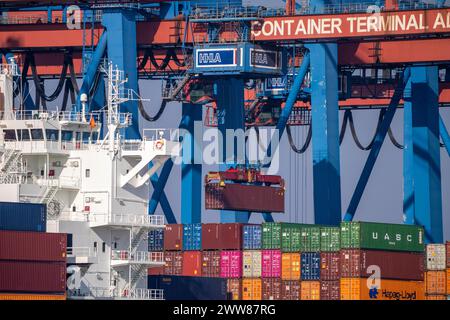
(37, 134)
(10, 134)
(51, 134)
(66, 135)
(23, 135)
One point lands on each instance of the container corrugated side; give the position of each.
(448, 281)
(156, 240)
(290, 237)
(173, 237)
(271, 264)
(447, 250)
(382, 236)
(290, 290)
(230, 235)
(271, 289)
(17, 216)
(310, 266)
(330, 267)
(252, 237)
(211, 264)
(251, 289)
(330, 239)
(27, 297)
(366, 289)
(310, 238)
(330, 290)
(32, 246)
(234, 289)
(436, 282)
(271, 235)
(192, 237)
(192, 263)
(310, 290)
(251, 263)
(211, 236)
(436, 297)
(173, 263)
(231, 264)
(436, 257)
(290, 266)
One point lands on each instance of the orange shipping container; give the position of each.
(290, 266)
(251, 289)
(234, 288)
(436, 282)
(361, 289)
(18, 296)
(437, 297)
(448, 281)
(310, 290)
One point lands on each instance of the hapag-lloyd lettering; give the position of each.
(399, 295)
(411, 22)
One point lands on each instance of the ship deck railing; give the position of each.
(121, 258)
(129, 294)
(138, 220)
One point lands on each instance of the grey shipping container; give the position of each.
(16, 216)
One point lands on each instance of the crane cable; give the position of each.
(291, 141)
(146, 116)
(355, 137)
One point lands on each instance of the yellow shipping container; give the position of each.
(290, 266)
(365, 289)
(251, 289)
(310, 290)
(17, 296)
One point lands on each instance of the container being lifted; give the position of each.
(244, 189)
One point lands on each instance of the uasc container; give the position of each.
(251, 289)
(192, 263)
(290, 266)
(192, 237)
(392, 265)
(234, 289)
(271, 235)
(271, 289)
(33, 246)
(230, 235)
(330, 290)
(15, 216)
(211, 264)
(173, 237)
(436, 257)
(330, 239)
(173, 263)
(252, 237)
(367, 289)
(271, 264)
(330, 266)
(211, 236)
(436, 282)
(310, 266)
(382, 236)
(290, 290)
(310, 238)
(231, 264)
(251, 263)
(310, 290)
(156, 240)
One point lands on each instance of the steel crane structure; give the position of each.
(324, 40)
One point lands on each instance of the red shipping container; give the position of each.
(211, 236)
(155, 271)
(234, 289)
(330, 290)
(173, 237)
(447, 250)
(192, 263)
(290, 290)
(24, 276)
(231, 264)
(393, 264)
(271, 289)
(330, 266)
(230, 235)
(174, 263)
(211, 264)
(271, 264)
(33, 246)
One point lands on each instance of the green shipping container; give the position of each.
(330, 239)
(291, 237)
(310, 238)
(271, 235)
(382, 236)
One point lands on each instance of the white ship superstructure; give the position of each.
(96, 190)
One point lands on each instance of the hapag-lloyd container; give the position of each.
(231, 264)
(310, 238)
(310, 290)
(192, 263)
(437, 297)
(211, 236)
(271, 235)
(448, 281)
(271, 264)
(192, 237)
(251, 263)
(330, 290)
(382, 236)
(33, 246)
(435, 282)
(393, 265)
(330, 239)
(27, 297)
(330, 266)
(230, 235)
(32, 277)
(173, 263)
(156, 240)
(290, 266)
(436, 257)
(173, 237)
(17, 216)
(211, 264)
(251, 289)
(252, 237)
(290, 290)
(271, 289)
(365, 289)
(310, 266)
(234, 289)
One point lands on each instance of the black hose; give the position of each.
(291, 140)
(344, 126)
(393, 140)
(355, 137)
(73, 76)
(146, 116)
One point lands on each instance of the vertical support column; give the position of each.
(325, 133)
(423, 154)
(191, 169)
(120, 24)
(230, 106)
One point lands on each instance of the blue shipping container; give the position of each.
(192, 237)
(252, 237)
(189, 288)
(16, 216)
(310, 266)
(156, 240)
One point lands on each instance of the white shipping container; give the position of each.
(251, 263)
(436, 257)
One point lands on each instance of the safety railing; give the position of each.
(142, 220)
(138, 256)
(143, 294)
(53, 115)
(61, 182)
(159, 134)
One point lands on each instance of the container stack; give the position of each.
(381, 262)
(436, 275)
(32, 262)
(330, 267)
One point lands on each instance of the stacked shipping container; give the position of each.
(436, 275)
